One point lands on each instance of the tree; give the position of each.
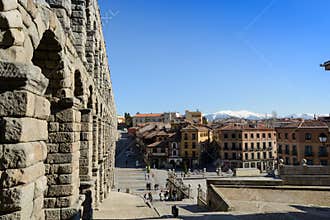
(128, 120)
(204, 120)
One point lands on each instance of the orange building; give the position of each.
(304, 140)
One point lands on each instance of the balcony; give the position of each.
(309, 154)
(323, 154)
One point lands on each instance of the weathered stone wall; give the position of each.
(57, 110)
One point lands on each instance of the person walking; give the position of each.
(150, 196)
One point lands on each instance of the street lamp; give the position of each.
(323, 138)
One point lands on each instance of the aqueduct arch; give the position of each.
(57, 111)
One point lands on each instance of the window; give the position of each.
(240, 146)
(286, 135)
(225, 135)
(280, 148)
(287, 150)
(234, 156)
(308, 136)
(264, 145)
(246, 156)
(233, 146)
(269, 135)
(270, 155)
(294, 150)
(269, 144)
(279, 135)
(174, 153)
(226, 156)
(246, 165)
(287, 160)
(252, 146)
(245, 136)
(185, 145)
(263, 135)
(293, 136)
(233, 136)
(193, 136)
(258, 145)
(323, 152)
(258, 155)
(246, 146)
(310, 162)
(185, 136)
(265, 155)
(252, 156)
(194, 154)
(252, 136)
(295, 161)
(193, 145)
(253, 165)
(258, 135)
(239, 136)
(186, 153)
(225, 145)
(308, 151)
(324, 162)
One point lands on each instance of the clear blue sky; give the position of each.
(211, 55)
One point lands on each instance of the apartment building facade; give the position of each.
(194, 141)
(304, 140)
(242, 146)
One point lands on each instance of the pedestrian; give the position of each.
(145, 196)
(161, 195)
(150, 196)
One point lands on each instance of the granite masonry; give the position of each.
(57, 110)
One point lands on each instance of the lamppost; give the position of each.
(323, 138)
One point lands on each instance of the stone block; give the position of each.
(86, 136)
(42, 108)
(8, 5)
(15, 177)
(10, 19)
(69, 147)
(60, 190)
(70, 213)
(23, 130)
(53, 214)
(40, 187)
(69, 127)
(52, 148)
(62, 137)
(67, 115)
(59, 158)
(86, 127)
(13, 199)
(23, 155)
(12, 216)
(17, 103)
(50, 202)
(86, 144)
(67, 201)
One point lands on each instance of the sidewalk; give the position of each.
(124, 206)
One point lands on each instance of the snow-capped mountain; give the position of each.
(251, 115)
(234, 114)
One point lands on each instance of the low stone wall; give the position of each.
(216, 201)
(246, 172)
(305, 175)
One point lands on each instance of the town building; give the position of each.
(303, 140)
(194, 140)
(194, 117)
(244, 146)
(166, 117)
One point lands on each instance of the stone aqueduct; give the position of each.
(57, 110)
